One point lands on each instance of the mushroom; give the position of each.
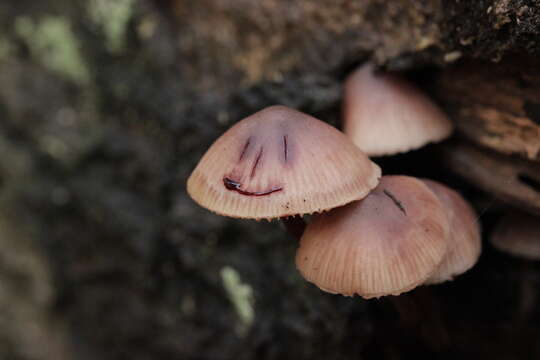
(386, 244)
(518, 234)
(509, 179)
(280, 162)
(384, 114)
(464, 241)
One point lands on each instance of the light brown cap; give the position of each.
(518, 234)
(386, 244)
(505, 178)
(464, 241)
(384, 114)
(280, 162)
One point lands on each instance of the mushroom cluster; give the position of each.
(371, 236)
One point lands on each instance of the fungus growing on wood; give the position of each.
(464, 241)
(496, 105)
(511, 180)
(384, 114)
(386, 244)
(280, 162)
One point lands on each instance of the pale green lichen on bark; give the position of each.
(52, 43)
(241, 295)
(112, 16)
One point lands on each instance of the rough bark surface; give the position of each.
(106, 106)
(496, 105)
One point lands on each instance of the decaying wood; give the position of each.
(511, 180)
(108, 105)
(496, 105)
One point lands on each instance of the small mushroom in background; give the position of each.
(464, 241)
(280, 162)
(512, 180)
(384, 114)
(518, 234)
(386, 244)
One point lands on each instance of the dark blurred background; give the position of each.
(106, 107)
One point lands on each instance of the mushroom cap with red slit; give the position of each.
(280, 162)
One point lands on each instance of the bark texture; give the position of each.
(107, 105)
(496, 105)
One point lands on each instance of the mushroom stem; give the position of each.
(527, 294)
(295, 226)
(419, 312)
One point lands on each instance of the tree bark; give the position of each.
(105, 108)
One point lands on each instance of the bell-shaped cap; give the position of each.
(384, 114)
(386, 244)
(518, 234)
(464, 241)
(280, 162)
